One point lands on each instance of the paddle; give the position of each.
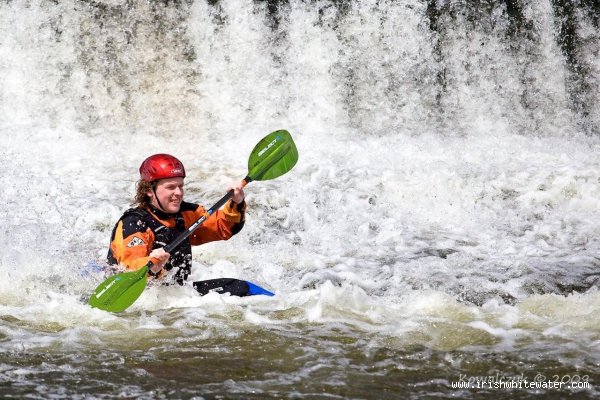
(272, 157)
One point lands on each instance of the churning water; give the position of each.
(441, 227)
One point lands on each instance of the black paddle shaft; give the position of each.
(184, 235)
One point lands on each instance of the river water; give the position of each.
(441, 228)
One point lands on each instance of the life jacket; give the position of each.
(181, 256)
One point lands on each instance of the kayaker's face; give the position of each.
(169, 193)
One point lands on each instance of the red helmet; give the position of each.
(161, 166)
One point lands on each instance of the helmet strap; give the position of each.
(160, 206)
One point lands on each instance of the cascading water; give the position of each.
(441, 225)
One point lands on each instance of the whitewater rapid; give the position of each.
(444, 206)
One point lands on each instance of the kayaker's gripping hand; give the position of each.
(159, 258)
(238, 193)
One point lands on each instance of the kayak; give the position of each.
(234, 287)
(119, 290)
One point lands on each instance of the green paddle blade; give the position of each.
(119, 291)
(273, 156)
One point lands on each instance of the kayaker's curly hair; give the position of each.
(141, 193)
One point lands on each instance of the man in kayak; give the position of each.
(161, 215)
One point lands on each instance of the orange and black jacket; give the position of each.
(141, 230)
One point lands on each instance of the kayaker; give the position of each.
(161, 214)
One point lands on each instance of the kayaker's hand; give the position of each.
(238, 193)
(159, 258)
